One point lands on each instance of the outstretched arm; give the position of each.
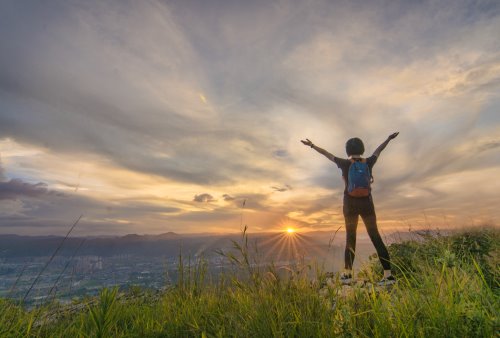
(322, 151)
(383, 145)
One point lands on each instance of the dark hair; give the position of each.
(354, 146)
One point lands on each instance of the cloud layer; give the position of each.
(126, 110)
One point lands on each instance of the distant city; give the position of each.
(83, 266)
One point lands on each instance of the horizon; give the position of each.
(186, 116)
(362, 233)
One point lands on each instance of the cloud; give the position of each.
(281, 153)
(16, 188)
(158, 77)
(489, 146)
(148, 99)
(253, 201)
(2, 171)
(203, 216)
(228, 197)
(282, 189)
(204, 198)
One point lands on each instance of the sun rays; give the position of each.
(288, 246)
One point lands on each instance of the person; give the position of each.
(361, 205)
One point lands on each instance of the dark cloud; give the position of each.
(281, 153)
(489, 145)
(2, 170)
(228, 197)
(282, 189)
(204, 198)
(16, 188)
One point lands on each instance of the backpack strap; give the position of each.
(362, 160)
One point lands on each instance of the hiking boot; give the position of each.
(387, 281)
(346, 278)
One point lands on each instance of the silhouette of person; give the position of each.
(363, 206)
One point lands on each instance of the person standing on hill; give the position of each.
(358, 201)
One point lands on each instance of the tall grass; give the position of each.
(447, 287)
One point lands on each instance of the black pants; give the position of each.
(353, 208)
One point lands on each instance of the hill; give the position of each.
(447, 286)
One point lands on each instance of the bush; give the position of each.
(476, 251)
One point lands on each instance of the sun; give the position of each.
(290, 230)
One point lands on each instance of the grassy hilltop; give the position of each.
(448, 286)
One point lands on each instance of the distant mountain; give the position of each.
(163, 236)
(161, 245)
(160, 237)
(170, 244)
(132, 237)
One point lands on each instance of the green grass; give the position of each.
(447, 287)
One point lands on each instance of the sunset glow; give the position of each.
(186, 116)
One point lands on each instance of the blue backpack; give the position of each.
(359, 179)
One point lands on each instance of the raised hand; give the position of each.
(393, 136)
(307, 142)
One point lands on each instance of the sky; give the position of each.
(186, 116)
